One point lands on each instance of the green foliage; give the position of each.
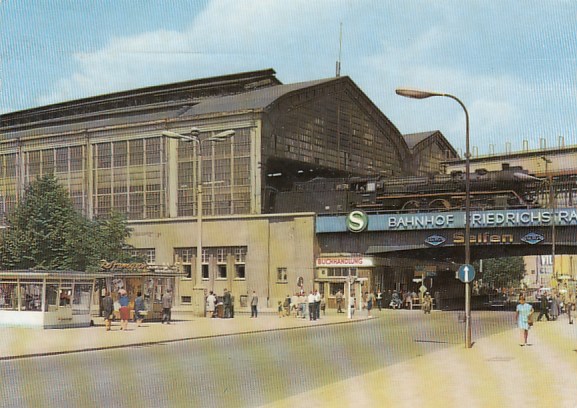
(502, 272)
(46, 232)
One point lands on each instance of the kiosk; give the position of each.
(152, 281)
(46, 299)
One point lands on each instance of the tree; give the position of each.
(46, 232)
(502, 272)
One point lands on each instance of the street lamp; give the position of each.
(418, 94)
(552, 209)
(194, 138)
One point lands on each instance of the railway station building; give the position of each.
(109, 151)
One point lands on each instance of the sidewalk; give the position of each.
(23, 342)
(495, 372)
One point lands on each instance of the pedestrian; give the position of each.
(312, 311)
(211, 304)
(352, 304)
(323, 306)
(302, 305)
(554, 309)
(524, 317)
(543, 307)
(280, 309)
(167, 306)
(287, 305)
(253, 305)
(107, 310)
(369, 297)
(339, 300)
(427, 303)
(570, 305)
(379, 299)
(139, 308)
(124, 309)
(317, 304)
(295, 305)
(227, 303)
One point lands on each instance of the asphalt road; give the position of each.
(234, 371)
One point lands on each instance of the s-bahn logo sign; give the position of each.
(533, 238)
(435, 240)
(357, 221)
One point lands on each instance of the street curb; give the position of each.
(155, 342)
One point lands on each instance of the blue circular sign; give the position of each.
(466, 273)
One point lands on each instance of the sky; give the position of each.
(511, 63)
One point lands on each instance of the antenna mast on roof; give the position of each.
(340, 47)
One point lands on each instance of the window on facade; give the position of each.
(205, 271)
(222, 272)
(134, 179)
(281, 275)
(147, 254)
(184, 257)
(240, 271)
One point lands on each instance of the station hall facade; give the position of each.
(109, 151)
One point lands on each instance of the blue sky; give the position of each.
(512, 63)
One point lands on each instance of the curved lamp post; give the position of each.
(193, 137)
(418, 94)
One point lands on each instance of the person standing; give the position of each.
(227, 303)
(167, 306)
(352, 304)
(318, 298)
(554, 306)
(139, 308)
(379, 300)
(339, 300)
(543, 307)
(369, 296)
(108, 310)
(253, 305)
(524, 315)
(211, 304)
(124, 309)
(311, 301)
(570, 304)
(427, 303)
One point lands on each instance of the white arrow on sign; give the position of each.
(466, 270)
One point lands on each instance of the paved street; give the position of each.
(398, 358)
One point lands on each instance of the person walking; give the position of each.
(379, 300)
(167, 306)
(318, 304)
(543, 307)
(339, 300)
(124, 309)
(524, 317)
(139, 308)
(253, 305)
(107, 310)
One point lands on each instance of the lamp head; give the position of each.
(415, 93)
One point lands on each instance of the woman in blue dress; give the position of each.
(523, 314)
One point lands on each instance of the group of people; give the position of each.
(226, 301)
(123, 307)
(302, 305)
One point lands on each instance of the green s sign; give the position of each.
(357, 221)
